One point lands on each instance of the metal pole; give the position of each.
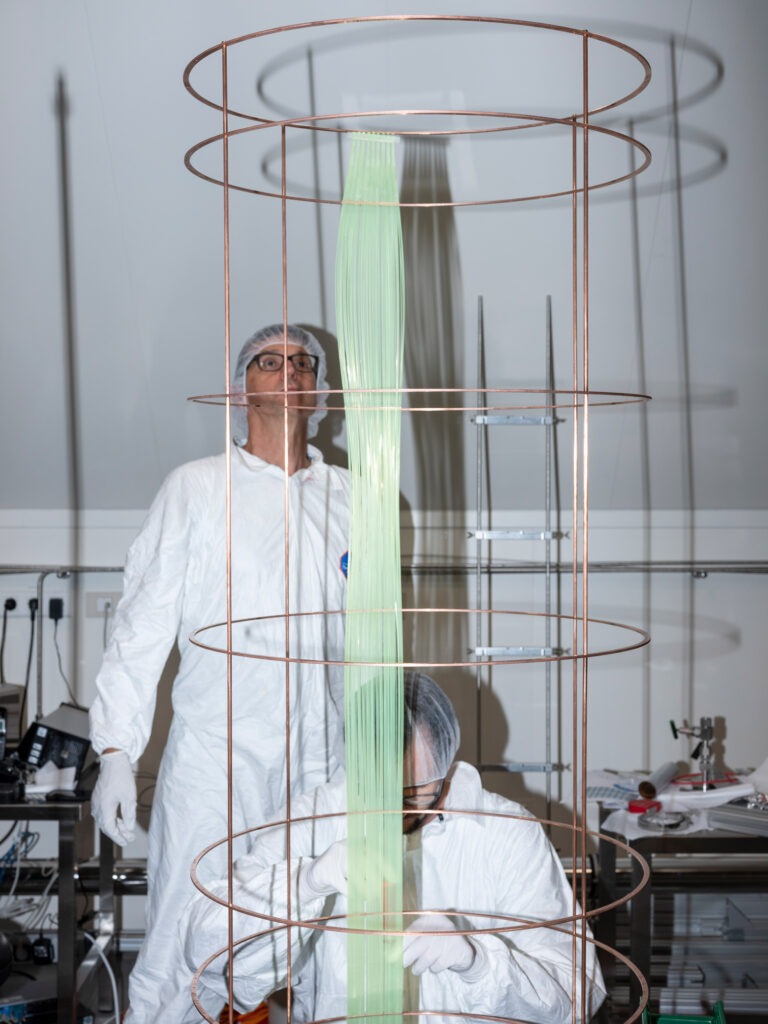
(548, 561)
(39, 687)
(478, 524)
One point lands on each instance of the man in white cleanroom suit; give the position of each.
(461, 865)
(175, 582)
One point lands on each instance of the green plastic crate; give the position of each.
(717, 1017)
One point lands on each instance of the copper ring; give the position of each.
(571, 399)
(394, 18)
(458, 1014)
(644, 638)
(310, 122)
(317, 924)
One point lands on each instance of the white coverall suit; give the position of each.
(175, 582)
(468, 863)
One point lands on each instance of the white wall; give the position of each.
(147, 234)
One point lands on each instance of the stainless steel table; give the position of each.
(66, 816)
(640, 917)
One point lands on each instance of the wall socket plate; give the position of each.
(97, 603)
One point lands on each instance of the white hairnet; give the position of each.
(432, 733)
(273, 335)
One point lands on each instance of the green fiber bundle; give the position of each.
(370, 322)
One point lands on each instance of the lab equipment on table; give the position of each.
(702, 752)
(612, 788)
(665, 821)
(658, 780)
(748, 816)
(11, 700)
(60, 737)
(716, 1017)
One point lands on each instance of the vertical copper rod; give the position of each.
(575, 535)
(287, 508)
(228, 502)
(480, 441)
(585, 514)
(685, 370)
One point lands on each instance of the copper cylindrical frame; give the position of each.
(579, 399)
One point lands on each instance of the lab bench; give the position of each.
(70, 974)
(699, 861)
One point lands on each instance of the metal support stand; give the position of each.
(66, 816)
(66, 995)
(484, 532)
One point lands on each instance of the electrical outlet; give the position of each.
(16, 607)
(96, 605)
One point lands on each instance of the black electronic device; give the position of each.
(11, 698)
(6, 958)
(37, 1011)
(42, 950)
(61, 737)
(11, 784)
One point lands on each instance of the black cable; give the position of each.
(61, 667)
(33, 619)
(24, 974)
(87, 914)
(8, 833)
(2, 647)
(9, 605)
(140, 798)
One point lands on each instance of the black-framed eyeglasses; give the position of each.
(422, 801)
(271, 362)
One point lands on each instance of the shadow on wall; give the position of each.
(331, 428)
(149, 762)
(74, 498)
(669, 117)
(433, 319)
(433, 358)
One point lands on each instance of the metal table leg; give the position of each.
(605, 924)
(66, 1001)
(640, 924)
(91, 963)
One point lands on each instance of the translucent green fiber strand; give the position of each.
(370, 322)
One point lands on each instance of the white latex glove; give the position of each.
(442, 950)
(326, 874)
(115, 788)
